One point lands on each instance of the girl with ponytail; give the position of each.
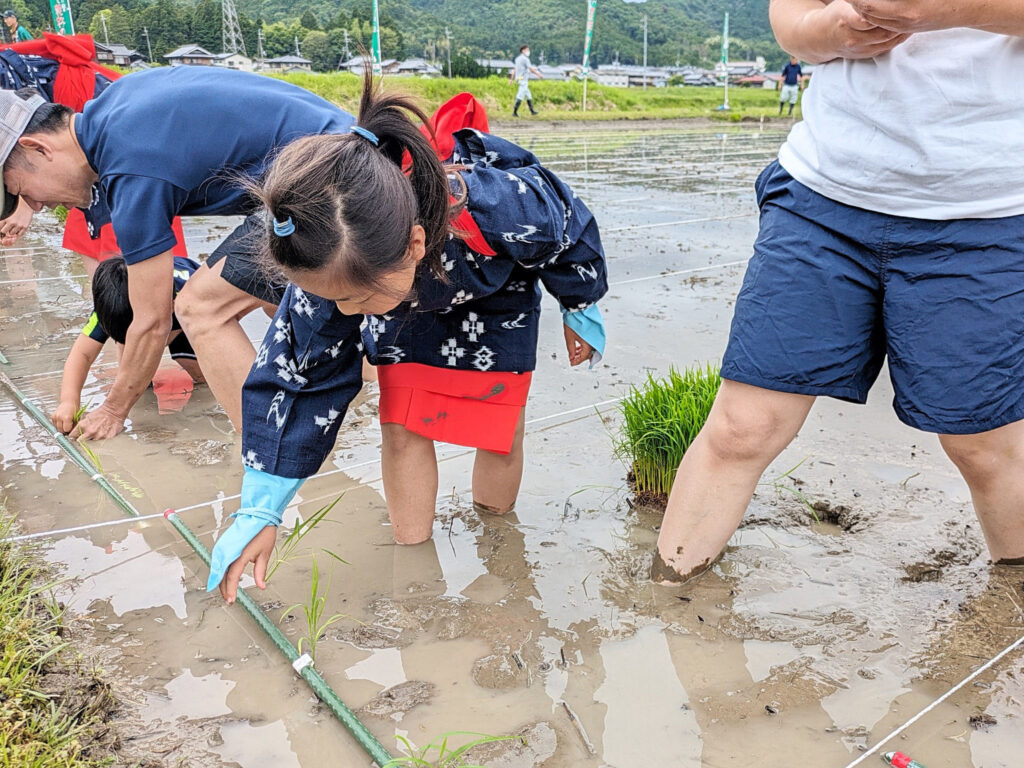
(445, 263)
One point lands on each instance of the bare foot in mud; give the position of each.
(664, 574)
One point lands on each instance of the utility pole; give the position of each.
(103, 21)
(645, 51)
(260, 55)
(149, 47)
(297, 51)
(346, 52)
(448, 37)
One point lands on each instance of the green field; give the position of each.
(560, 100)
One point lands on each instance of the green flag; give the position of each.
(725, 41)
(62, 23)
(591, 11)
(375, 40)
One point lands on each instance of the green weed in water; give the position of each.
(661, 419)
(445, 758)
(314, 610)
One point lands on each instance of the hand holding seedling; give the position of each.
(258, 552)
(65, 416)
(579, 350)
(100, 424)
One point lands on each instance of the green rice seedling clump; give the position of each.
(661, 419)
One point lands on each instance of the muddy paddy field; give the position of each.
(808, 642)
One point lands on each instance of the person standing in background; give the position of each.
(18, 32)
(792, 79)
(521, 75)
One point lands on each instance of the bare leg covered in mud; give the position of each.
(746, 429)
(409, 468)
(991, 464)
(497, 476)
(210, 310)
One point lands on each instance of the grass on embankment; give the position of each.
(48, 707)
(558, 100)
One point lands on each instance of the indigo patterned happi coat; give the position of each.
(484, 317)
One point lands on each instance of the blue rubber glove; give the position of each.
(589, 326)
(264, 498)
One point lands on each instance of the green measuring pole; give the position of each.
(62, 23)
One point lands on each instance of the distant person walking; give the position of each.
(521, 75)
(18, 32)
(792, 79)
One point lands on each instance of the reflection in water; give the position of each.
(127, 572)
(661, 731)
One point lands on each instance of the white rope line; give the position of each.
(44, 279)
(988, 665)
(75, 529)
(633, 227)
(680, 272)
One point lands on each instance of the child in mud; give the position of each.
(112, 314)
(452, 310)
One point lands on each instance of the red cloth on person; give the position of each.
(479, 409)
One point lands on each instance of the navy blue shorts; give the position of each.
(831, 290)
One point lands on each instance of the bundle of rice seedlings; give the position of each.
(661, 419)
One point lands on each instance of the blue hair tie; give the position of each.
(370, 136)
(284, 228)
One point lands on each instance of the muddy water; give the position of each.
(809, 641)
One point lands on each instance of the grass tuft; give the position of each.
(443, 756)
(661, 419)
(37, 728)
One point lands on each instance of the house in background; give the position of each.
(117, 54)
(417, 68)
(190, 54)
(355, 66)
(286, 64)
(497, 66)
(237, 61)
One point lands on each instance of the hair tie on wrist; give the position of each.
(284, 228)
(370, 136)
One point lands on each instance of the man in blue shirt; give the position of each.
(169, 142)
(792, 78)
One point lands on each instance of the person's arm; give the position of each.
(537, 72)
(1004, 17)
(818, 31)
(76, 369)
(532, 216)
(151, 292)
(15, 225)
(306, 373)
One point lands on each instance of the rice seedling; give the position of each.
(314, 610)
(287, 549)
(661, 419)
(445, 758)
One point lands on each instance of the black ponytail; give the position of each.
(351, 204)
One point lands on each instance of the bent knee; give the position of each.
(746, 436)
(979, 460)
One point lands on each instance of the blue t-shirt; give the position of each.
(791, 73)
(173, 141)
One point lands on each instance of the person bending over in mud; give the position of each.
(452, 311)
(110, 319)
(159, 144)
(890, 228)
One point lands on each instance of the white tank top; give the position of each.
(932, 130)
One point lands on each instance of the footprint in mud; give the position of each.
(201, 453)
(399, 699)
(931, 569)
